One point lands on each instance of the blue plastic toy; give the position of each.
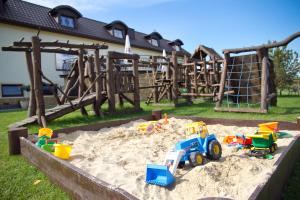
(159, 175)
(192, 150)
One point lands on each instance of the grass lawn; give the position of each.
(17, 177)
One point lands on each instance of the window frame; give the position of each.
(120, 30)
(61, 21)
(17, 85)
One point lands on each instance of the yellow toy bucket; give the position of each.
(62, 151)
(45, 132)
(271, 126)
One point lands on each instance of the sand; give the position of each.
(119, 156)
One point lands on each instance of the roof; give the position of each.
(176, 42)
(56, 9)
(203, 51)
(26, 14)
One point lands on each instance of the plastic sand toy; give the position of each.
(45, 132)
(62, 151)
(192, 150)
(149, 127)
(270, 127)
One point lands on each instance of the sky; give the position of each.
(219, 24)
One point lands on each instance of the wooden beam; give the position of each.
(81, 79)
(99, 89)
(241, 110)
(62, 45)
(126, 98)
(136, 94)
(25, 49)
(264, 80)
(266, 46)
(32, 100)
(71, 81)
(38, 90)
(175, 78)
(223, 80)
(110, 85)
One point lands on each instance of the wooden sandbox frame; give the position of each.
(81, 185)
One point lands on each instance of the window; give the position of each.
(153, 42)
(177, 48)
(12, 90)
(67, 21)
(118, 33)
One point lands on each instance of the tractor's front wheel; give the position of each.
(214, 150)
(181, 164)
(196, 159)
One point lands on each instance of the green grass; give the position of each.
(17, 177)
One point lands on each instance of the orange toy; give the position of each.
(166, 118)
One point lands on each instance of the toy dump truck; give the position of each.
(264, 141)
(193, 150)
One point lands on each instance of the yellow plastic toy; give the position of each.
(270, 127)
(45, 132)
(149, 127)
(62, 151)
(198, 128)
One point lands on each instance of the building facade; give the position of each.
(22, 20)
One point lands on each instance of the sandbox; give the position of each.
(112, 162)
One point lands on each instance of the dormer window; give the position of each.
(65, 16)
(118, 29)
(67, 21)
(154, 42)
(154, 38)
(177, 48)
(118, 33)
(176, 44)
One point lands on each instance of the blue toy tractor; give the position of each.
(193, 150)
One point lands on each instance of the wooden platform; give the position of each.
(59, 110)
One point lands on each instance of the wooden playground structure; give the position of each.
(251, 77)
(243, 83)
(97, 87)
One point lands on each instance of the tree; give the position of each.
(287, 67)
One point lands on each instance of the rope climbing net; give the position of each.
(243, 82)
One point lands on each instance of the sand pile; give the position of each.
(119, 156)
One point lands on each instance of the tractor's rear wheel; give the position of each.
(196, 159)
(214, 150)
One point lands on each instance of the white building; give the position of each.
(20, 19)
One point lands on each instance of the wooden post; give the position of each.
(38, 90)
(32, 100)
(136, 94)
(168, 76)
(14, 135)
(97, 104)
(195, 78)
(264, 81)
(187, 80)
(81, 79)
(110, 85)
(91, 71)
(223, 79)
(175, 78)
(155, 95)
